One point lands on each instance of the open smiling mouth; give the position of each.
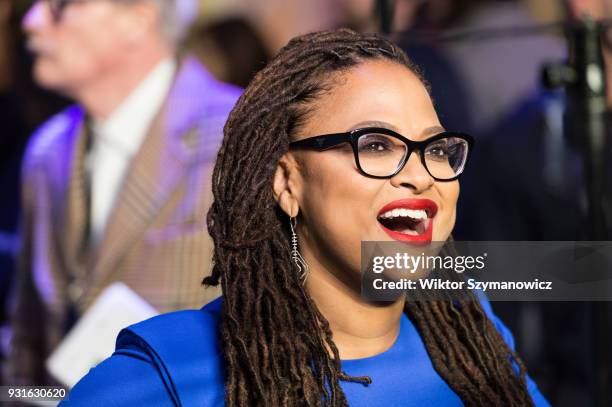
(409, 220)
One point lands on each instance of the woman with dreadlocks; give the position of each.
(335, 142)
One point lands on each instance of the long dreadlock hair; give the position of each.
(275, 341)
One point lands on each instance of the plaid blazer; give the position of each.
(155, 240)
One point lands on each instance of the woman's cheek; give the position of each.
(450, 196)
(443, 223)
(451, 223)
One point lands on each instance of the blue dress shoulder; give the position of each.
(176, 359)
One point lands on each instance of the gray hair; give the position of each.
(176, 17)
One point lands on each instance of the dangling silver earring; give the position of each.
(295, 253)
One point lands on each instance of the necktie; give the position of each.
(78, 255)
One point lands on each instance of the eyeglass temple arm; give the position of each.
(322, 142)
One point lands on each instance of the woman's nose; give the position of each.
(414, 175)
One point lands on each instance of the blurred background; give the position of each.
(525, 181)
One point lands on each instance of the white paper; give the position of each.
(93, 337)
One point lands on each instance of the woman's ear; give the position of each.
(284, 185)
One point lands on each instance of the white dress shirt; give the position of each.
(117, 140)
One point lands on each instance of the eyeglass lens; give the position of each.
(381, 155)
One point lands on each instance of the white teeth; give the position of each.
(405, 213)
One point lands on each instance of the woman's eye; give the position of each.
(438, 151)
(375, 145)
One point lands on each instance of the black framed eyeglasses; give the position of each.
(383, 153)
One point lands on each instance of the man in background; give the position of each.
(115, 188)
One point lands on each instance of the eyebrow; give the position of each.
(375, 123)
(433, 130)
(429, 131)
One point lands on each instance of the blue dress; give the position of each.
(176, 360)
